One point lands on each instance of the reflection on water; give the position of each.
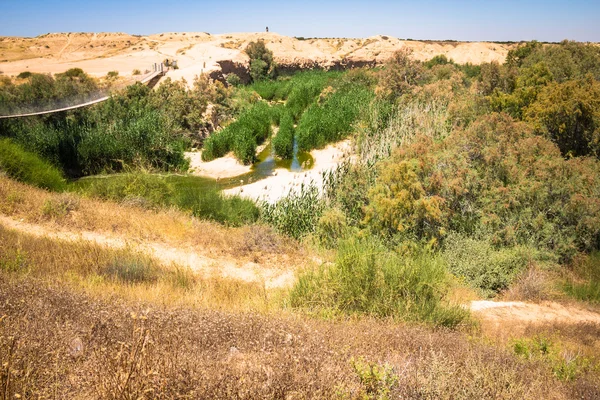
(267, 163)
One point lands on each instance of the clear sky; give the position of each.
(497, 20)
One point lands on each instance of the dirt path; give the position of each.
(497, 312)
(166, 255)
(62, 50)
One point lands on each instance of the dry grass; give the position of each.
(127, 273)
(58, 342)
(170, 227)
(78, 320)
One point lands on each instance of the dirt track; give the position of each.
(193, 258)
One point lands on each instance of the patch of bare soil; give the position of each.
(528, 313)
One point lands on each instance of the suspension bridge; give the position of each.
(158, 70)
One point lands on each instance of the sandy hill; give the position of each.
(197, 52)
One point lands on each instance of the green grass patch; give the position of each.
(28, 167)
(283, 142)
(586, 286)
(368, 278)
(333, 119)
(273, 90)
(132, 270)
(199, 196)
(241, 136)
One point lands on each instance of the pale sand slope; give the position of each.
(283, 182)
(196, 52)
(224, 167)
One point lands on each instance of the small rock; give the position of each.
(76, 347)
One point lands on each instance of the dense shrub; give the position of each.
(241, 136)
(400, 75)
(481, 265)
(569, 114)
(262, 65)
(297, 214)
(40, 91)
(136, 127)
(566, 60)
(28, 167)
(495, 176)
(283, 142)
(369, 279)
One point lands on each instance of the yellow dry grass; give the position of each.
(170, 227)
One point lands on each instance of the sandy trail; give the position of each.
(497, 312)
(284, 182)
(188, 257)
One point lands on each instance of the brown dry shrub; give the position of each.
(58, 342)
(531, 285)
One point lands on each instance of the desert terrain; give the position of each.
(199, 52)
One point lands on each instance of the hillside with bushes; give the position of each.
(465, 183)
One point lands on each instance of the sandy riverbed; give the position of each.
(224, 167)
(282, 182)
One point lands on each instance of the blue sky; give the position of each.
(497, 20)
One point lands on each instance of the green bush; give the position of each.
(28, 167)
(136, 128)
(481, 265)
(369, 279)
(295, 215)
(569, 114)
(262, 65)
(283, 142)
(241, 136)
(332, 227)
(334, 119)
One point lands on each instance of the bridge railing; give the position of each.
(80, 100)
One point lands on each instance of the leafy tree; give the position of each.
(516, 56)
(262, 65)
(400, 205)
(496, 77)
(569, 114)
(529, 82)
(399, 76)
(496, 179)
